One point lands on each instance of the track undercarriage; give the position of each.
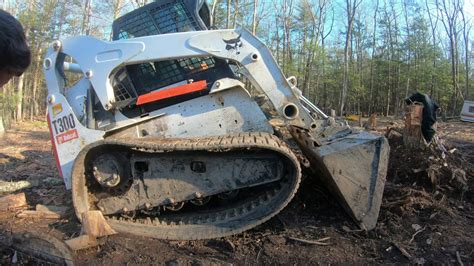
(186, 188)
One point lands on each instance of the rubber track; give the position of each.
(200, 226)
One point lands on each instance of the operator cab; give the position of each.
(134, 83)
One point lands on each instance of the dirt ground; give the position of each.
(427, 214)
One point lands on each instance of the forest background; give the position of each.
(354, 56)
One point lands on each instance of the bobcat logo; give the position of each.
(233, 44)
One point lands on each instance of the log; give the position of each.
(82, 242)
(94, 224)
(38, 214)
(11, 187)
(12, 201)
(45, 247)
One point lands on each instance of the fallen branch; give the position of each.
(43, 247)
(458, 258)
(258, 255)
(402, 202)
(312, 242)
(404, 196)
(416, 233)
(348, 230)
(402, 250)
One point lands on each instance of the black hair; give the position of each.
(15, 56)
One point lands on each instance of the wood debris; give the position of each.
(82, 242)
(458, 258)
(9, 187)
(402, 250)
(13, 201)
(42, 246)
(416, 233)
(94, 224)
(348, 230)
(61, 210)
(38, 214)
(93, 227)
(319, 242)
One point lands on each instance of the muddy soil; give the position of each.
(421, 221)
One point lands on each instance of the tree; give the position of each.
(466, 28)
(433, 25)
(387, 48)
(373, 47)
(449, 12)
(254, 19)
(351, 6)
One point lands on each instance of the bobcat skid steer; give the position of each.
(161, 134)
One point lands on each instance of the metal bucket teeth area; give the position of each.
(354, 168)
(235, 216)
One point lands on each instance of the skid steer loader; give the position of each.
(160, 133)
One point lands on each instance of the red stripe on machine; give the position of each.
(55, 152)
(172, 92)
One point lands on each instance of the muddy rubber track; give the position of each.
(202, 225)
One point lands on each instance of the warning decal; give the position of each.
(57, 109)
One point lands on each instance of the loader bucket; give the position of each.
(353, 166)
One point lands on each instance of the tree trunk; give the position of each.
(2, 128)
(350, 9)
(433, 33)
(228, 14)
(449, 19)
(213, 12)
(466, 31)
(412, 135)
(87, 16)
(236, 13)
(117, 8)
(36, 79)
(254, 20)
(19, 105)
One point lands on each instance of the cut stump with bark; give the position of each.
(412, 135)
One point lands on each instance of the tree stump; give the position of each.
(371, 123)
(412, 135)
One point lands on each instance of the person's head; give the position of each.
(15, 56)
